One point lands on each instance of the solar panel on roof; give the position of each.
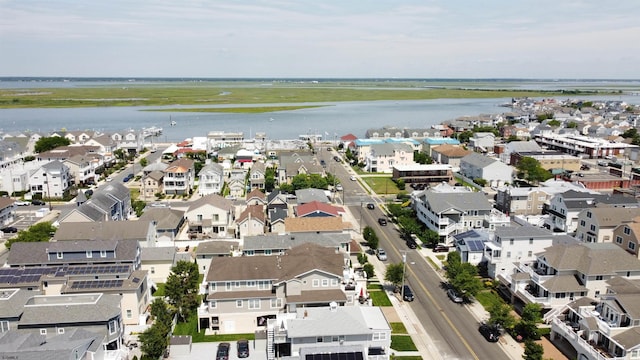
(475, 245)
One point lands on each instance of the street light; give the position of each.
(46, 181)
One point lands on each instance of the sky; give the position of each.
(559, 39)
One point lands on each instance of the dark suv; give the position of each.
(407, 294)
(243, 348)
(223, 351)
(37, 202)
(382, 221)
(490, 332)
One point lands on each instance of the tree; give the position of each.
(527, 327)
(422, 157)
(181, 288)
(369, 270)
(370, 236)
(500, 314)
(532, 350)
(161, 312)
(572, 125)
(154, 341)
(394, 274)
(269, 179)
(462, 276)
(530, 169)
(144, 162)
(430, 237)
(40, 232)
(48, 143)
(554, 123)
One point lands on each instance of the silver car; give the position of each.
(454, 296)
(382, 255)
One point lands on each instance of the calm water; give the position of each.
(334, 119)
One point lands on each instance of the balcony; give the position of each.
(535, 276)
(590, 349)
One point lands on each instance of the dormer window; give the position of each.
(89, 253)
(59, 255)
(103, 253)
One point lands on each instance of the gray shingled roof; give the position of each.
(58, 312)
(343, 320)
(32, 253)
(164, 253)
(442, 202)
(214, 200)
(103, 230)
(521, 231)
(591, 258)
(29, 345)
(308, 195)
(12, 302)
(629, 338)
(165, 218)
(216, 247)
(478, 160)
(275, 241)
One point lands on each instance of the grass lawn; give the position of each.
(488, 298)
(398, 328)
(435, 266)
(374, 286)
(402, 343)
(159, 290)
(407, 357)
(381, 184)
(380, 298)
(190, 328)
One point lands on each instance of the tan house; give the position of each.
(627, 236)
(243, 292)
(211, 215)
(179, 177)
(256, 197)
(449, 154)
(316, 225)
(597, 224)
(252, 221)
(151, 184)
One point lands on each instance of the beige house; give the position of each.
(627, 236)
(598, 224)
(316, 225)
(151, 184)
(211, 215)
(179, 177)
(243, 292)
(252, 221)
(449, 154)
(208, 250)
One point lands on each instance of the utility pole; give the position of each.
(404, 272)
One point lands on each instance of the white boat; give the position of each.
(151, 131)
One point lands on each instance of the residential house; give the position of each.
(449, 154)
(169, 222)
(158, 261)
(82, 169)
(179, 177)
(211, 215)
(257, 175)
(316, 225)
(210, 179)
(304, 196)
(94, 333)
(455, 211)
(272, 244)
(256, 197)
(470, 245)
(318, 209)
(278, 200)
(419, 174)
(243, 292)
(144, 232)
(7, 211)
(431, 142)
(602, 328)
(482, 141)
(252, 221)
(151, 184)
(549, 160)
(207, 250)
(597, 224)
(383, 157)
(51, 180)
(564, 208)
(475, 166)
(532, 200)
(112, 202)
(518, 244)
(565, 272)
(276, 218)
(627, 236)
(332, 332)
(236, 184)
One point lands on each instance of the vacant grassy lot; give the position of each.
(402, 343)
(220, 93)
(488, 298)
(381, 184)
(191, 328)
(398, 328)
(379, 298)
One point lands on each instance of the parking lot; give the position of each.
(207, 350)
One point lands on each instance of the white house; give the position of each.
(493, 171)
(210, 179)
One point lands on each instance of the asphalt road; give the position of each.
(452, 327)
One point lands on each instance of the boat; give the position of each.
(151, 131)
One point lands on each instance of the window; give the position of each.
(267, 252)
(510, 241)
(276, 303)
(113, 326)
(228, 286)
(583, 223)
(43, 331)
(508, 254)
(530, 241)
(632, 246)
(213, 304)
(254, 303)
(249, 252)
(59, 255)
(334, 282)
(316, 283)
(251, 284)
(319, 339)
(627, 230)
(325, 282)
(589, 214)
(89, 253)
(236, 284)
(60, 330)
(598, 277)
(103, 253)
(129, 314)
(239, 303)
(529, 253)
(213, 286)
(152, 269)
(592, 227)
(264, 285)
(619, 239)
(379, 336)
(4, 326)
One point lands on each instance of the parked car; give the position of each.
(490, 332)
(381, 254)
(352, 178)
(382, 221)
(336, 158)
(243, 348)
(453, 295)
(441, 248)
(407, 294)
(223, 351)
(37, 202)
(411, 244)
(9, 230)
(339, 187)
(370, 206)
(323, 163)
(88, 193)
(22, 203)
